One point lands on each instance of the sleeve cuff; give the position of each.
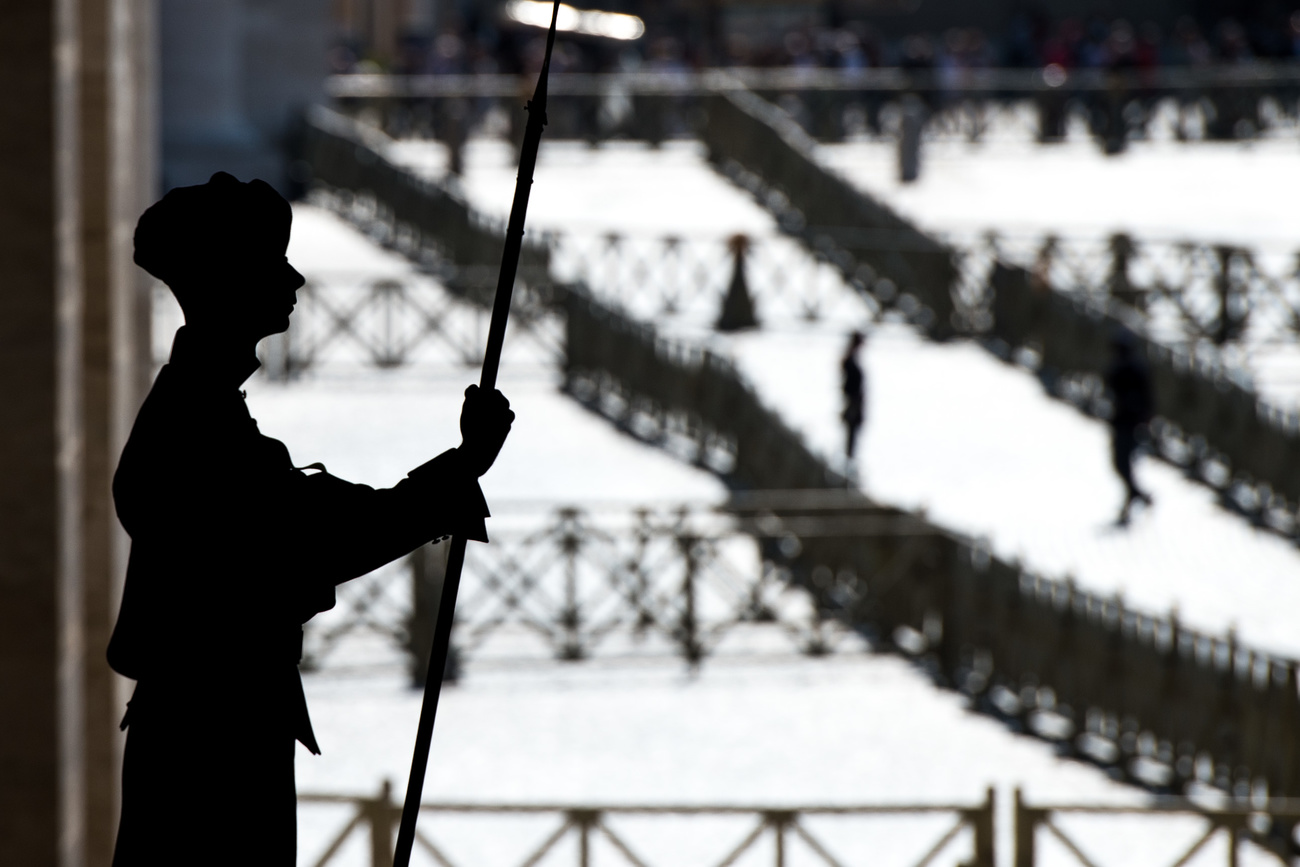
(461, 499)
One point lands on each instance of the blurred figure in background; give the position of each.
(854, 386)
(1130, 388)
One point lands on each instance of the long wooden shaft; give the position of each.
(487, 380)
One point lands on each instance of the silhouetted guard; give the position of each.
(491, 361)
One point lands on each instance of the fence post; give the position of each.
(778, 822)
(981, 820)
(387, 295)
(380, 813)
(1026, 823)
(1223, 289)
(585, 820)
(909, 138)
(688, 627)
(737, 312)
(572, 646)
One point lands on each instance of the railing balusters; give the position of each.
(783, 824)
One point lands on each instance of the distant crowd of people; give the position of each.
(480, 46)
(1027, 42)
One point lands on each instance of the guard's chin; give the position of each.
(273, 326)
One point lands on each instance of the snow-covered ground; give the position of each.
(951, 429)
(1226, 192)
(841, 730)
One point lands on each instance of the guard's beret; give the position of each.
(194, 230)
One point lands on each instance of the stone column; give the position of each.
(42, 759)
(117, 165)
(75, 137)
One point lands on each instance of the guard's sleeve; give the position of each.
(346, 530)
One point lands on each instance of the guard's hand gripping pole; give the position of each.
(487, 381)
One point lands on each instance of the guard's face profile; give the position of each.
(220, 247)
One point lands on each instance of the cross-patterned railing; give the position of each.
(1178, 832)
(1161, 831)
(571, 583)
(643, 836)
(1233, 306)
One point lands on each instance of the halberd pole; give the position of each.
(487, 381)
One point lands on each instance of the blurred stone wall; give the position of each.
(236, 76)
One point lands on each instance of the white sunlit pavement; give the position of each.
(840, 730)
(1217, 192)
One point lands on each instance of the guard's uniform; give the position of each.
(232, 550)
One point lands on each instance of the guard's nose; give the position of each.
(295, 278)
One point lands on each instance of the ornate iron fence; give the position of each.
(353, 318)
(1114, 106)
(591, 830)
(1237, 306)
(572, 582)
(1235, 309)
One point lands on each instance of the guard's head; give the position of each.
(220, 247)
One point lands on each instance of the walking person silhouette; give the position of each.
(853, 385)
(1130, 388)
(233, 547)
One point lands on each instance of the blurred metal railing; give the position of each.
(1233, 307)
(1266, 823)
(564, 581)
(1223, 102)
(1229, 301)
(1174, 830)
(354, 318)
(990, 81)
(344, 319)
(777, 828)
